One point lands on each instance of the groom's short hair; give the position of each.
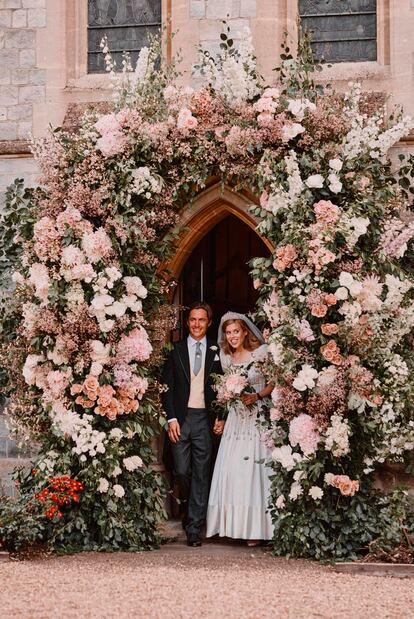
(201, 305)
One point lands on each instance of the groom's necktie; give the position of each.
(197, 359)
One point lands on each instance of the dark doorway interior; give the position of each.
(217, 270)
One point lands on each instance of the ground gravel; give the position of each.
(217, 580)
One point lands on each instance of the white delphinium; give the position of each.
(87, 440)
(337, 436)
(141, 67)
(396, 291)
(233, 74)
(294, 178)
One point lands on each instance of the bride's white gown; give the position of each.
(240, 489)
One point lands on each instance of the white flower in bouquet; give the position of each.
(355, 227)
(134, 286)
(305, 378)
(341, 293)
(316, 493)
(132, 463)
(116, 471)
(315, 181)
(96, 368)
(100, 352)
(116, 434)
(117, 309)
(103, 486)
(119, 491)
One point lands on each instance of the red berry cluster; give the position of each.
(60, 491)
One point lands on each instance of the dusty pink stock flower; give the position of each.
(134, 347)
(285, 257)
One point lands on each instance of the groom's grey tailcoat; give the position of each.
(192, 454)
(176, 375)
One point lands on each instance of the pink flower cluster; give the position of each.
(302, 432)
(134, 347)
(113, 140)
(96, 245)
(327, 213)
(319, 302)
(47, 239)
(186, 120)
(319, 256)
(346, 486)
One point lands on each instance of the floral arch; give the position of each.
(82, 333)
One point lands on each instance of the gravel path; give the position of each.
(217, 580)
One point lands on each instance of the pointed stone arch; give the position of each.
(197, 219)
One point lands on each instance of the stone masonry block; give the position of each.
(23, 130)
(197, 9)
(3, 113)
(248, 8)
(28, 76)
(9, 58)
(5, 77)
(34, 4)
(5, 18)
(218, 9)
(8, 131)
(27, 58)
(31, 94)
(235, 8)
(9, 95)
(20, 39)
(10, 4)
(36, 18)
(19, 18)
(20, 112)
(237, 26)
(210, 29)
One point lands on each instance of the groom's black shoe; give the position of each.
(194, 541)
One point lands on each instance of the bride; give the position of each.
(240, 487)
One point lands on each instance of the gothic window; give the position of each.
(341, 30)
(126, 23)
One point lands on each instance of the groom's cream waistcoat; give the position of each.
(196, 399)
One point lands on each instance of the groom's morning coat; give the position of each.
(176, 375)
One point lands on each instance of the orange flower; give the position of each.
(285, 256)
(345, 485)
(319, 310)
(84, 402)
(91, 387)
(105, 395)
(331, 352)
(329, 299)
(329, 328)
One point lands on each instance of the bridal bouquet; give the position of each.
(230, 387)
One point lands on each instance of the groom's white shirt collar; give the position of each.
(192, 342)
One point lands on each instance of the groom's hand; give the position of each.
(174, 431)
(218, 427)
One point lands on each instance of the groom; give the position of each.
(187, 401)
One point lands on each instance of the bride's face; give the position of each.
(235, 335)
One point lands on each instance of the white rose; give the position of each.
(315, 181)
(355, 289)
(335, 184)
(299, 384)
(116, 433)
(336, 164)
(328, 478)
(119, 491)
(341, 293)
(103, 486)
(295, 107)
(291, 131)
(132, 463)
(142, 292)
(346, 279)
(295, 491)
(96, 368)
(117, 471)
(107, 325)
(117, 309)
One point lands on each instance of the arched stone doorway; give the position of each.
(218, 241)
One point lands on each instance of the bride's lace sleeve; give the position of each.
(225, 360)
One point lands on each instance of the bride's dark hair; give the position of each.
(250, 342)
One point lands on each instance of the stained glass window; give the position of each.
(126, 23)
(341, 30)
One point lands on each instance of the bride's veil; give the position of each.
(236, 316)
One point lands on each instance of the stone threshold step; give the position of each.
(396, 570)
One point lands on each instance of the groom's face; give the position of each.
(198, 323)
